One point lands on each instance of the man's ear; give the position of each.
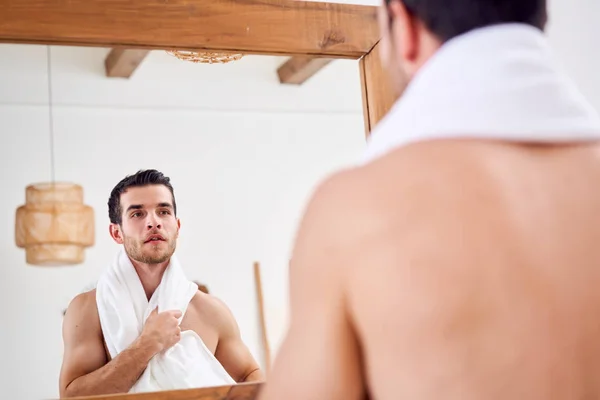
(115, 233)
(405, 31)
(178, 226)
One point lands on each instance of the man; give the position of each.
(142, 211)
(460, 260)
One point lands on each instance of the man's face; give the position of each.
(149, 228)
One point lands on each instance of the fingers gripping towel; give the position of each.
(123, 308)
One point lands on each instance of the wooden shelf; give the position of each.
(242, 391)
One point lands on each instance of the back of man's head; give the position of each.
(447, 19)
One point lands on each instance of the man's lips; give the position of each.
(154, 238)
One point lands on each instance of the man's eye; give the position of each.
(137, 214)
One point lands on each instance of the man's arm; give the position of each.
(85, 370)
(231, 351)
(319, 357)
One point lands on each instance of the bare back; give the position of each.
(477, 272)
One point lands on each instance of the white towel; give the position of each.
(123, 308)
(499, 82)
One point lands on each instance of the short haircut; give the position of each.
(447, 19)
(140, 178)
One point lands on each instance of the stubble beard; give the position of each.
(137, 251)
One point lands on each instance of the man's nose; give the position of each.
(152, 222)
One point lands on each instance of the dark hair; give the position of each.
(447, 19)
(140, 178)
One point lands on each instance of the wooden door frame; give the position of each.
(252, 27)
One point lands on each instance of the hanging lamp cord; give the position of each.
(50, 119)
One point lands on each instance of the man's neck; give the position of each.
(150, 275)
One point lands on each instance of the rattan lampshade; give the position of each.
(54, 226)
(205, 57)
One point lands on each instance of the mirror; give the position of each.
(243, 152)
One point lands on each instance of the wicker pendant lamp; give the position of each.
(205, 57)
(54, 226)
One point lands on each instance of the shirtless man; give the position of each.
(455, 269)
(140, 204)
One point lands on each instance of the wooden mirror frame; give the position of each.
(303, 30)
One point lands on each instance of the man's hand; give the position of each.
(86, 370)
(161, 330)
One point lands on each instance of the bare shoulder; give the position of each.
(335, 221)
(356, 202)
(349, 207)
(211, 309)
(336, 198)
(84, 350)
(208, 304)
(82, 312)
(416, 188)
(437, 176)
(81, 321)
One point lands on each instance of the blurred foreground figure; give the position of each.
(460, 260)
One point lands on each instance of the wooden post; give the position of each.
(261, 310)
(377, 92)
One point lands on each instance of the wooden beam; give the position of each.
(274, 27)
(121, 63)
(378, 94)
(242, 391)
(299, 69)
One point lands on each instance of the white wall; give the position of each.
(244, 153)
(574, 31)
